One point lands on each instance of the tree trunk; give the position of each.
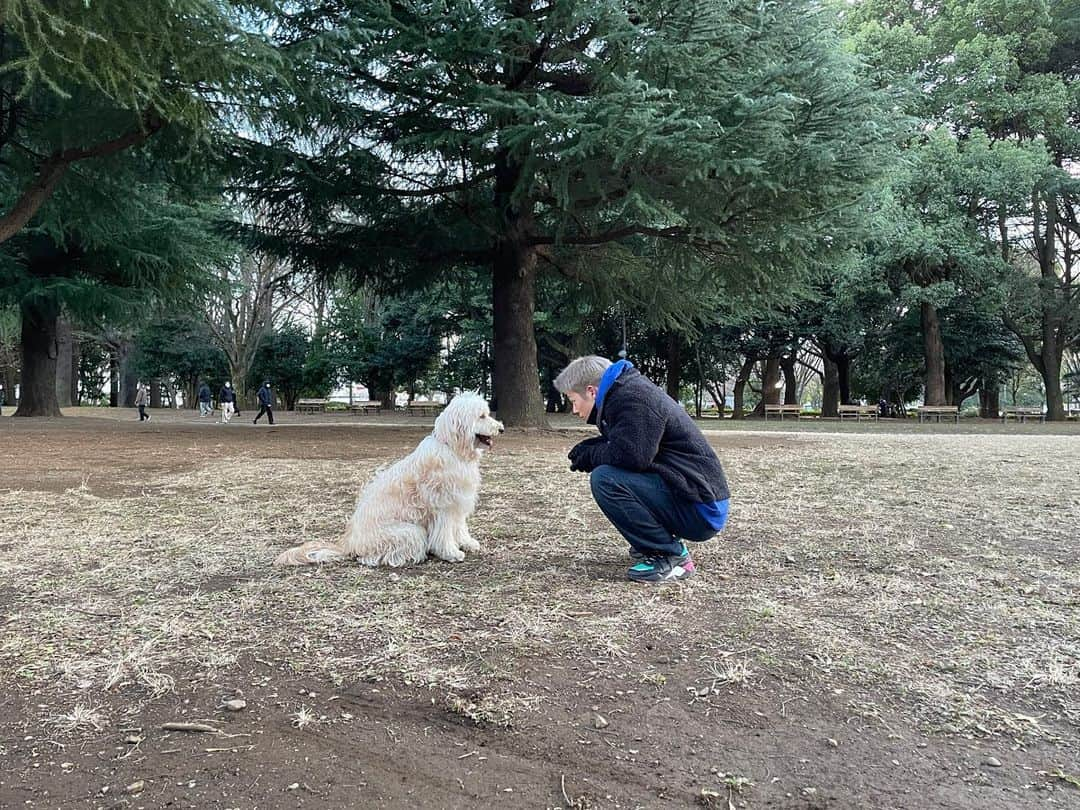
(830, 387)
(1051, 374)
(114, 378)
(718, 396)
(952, 386)
(64, 381)
(37, 388)
(155, 393)
(738, 392)
(770, 392)
(11, 379)
(791, 382)
(842, 360)
(1047, 357)
(934, 352)
(989, 400)
(515, 364)
(517, 377)
(843, 371)
(76, 358)
(673, 352)
(128, 382)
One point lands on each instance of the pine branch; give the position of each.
(427, 191)
(610, 236)
(570, 84)
(54, 167)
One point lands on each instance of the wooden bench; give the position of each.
(926, 411)
(858, 411)
(783, 410)
(419, 408)
(1022, 414)
(310, 405)
(365, 408)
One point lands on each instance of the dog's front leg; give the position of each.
(442, 540)
(465, 540)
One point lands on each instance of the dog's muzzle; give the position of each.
(487, 441)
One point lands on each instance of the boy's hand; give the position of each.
(578, 456)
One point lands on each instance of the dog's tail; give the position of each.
(315, 551)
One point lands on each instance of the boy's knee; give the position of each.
(602, 480)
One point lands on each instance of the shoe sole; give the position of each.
(672, 576)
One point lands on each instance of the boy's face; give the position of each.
(583, 403)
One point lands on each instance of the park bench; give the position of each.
(310, 405)
(782, 411)
(423, 408)
(1022, 414)
(938, 411)
(365, 408)
(858, 411)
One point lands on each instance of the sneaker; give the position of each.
(638, 554)
(662, 569)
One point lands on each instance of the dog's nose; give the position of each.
(501, 428)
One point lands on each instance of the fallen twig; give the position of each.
(190, 727)
(234, 748)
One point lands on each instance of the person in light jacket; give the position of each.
(142, 399)
(227, 399)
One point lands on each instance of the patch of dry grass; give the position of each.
(933, 574)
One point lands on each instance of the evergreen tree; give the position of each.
(999, 78)
(95, 220)
(664, 147)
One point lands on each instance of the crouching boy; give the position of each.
(651, 471)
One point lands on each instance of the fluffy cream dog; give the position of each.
(419, 505)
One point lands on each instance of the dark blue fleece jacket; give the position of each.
(642, 429)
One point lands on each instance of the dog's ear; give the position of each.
(454, 425)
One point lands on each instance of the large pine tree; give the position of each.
(107, 110)
(572, 135)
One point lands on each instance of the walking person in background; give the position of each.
(266, 404)
(204, 397)
(227, 399)
(142, 399)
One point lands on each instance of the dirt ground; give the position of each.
(891, 620)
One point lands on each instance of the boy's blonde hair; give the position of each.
(581, 372)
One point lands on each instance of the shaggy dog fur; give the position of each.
(420, 505)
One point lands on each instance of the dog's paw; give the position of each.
(469, 544)
(450, 554)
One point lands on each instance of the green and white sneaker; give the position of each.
(662, 569)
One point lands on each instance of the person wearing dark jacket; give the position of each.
(266, 404)
(227, 399)
(651, 471)
(204, 396)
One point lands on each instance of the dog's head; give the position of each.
(466, 425)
